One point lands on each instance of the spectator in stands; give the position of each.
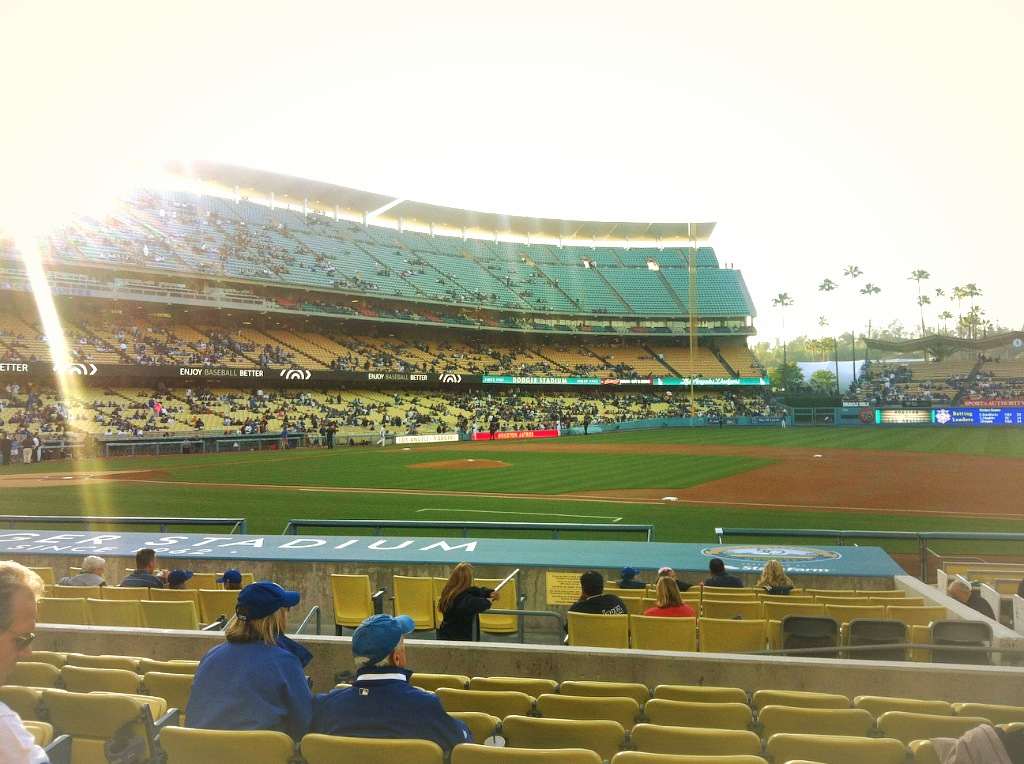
(231, 579)
(594, 600)
(255, 680)
(145, 573)
(667, 571)
(381, 703)
(719, 577)
(627, 579)
(963, 593)
(1020, 588)
(19, 590)
(461, 604)
(5, 449)
(670, 604)
(90, 575)
(177, 579)
(774, 579)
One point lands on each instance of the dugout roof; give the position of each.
(451, 220)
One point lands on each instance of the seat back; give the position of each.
(169, 615)
(652, 738)
(124, 592)
(887, 635)
(479, 754)
(529, 685)
(432, 682)
(494, 702)
(639, 757)
(686, 713)
(331, 749)
(173, 688)
(92, 719)
(83, 679)
(42, 732)
(32, 674)
(776, 610)
(24, 701)
(500, 624)
(603, 737)
(658, 633)
(594, 630)
(214, 603)
(76, 592)
(810, 631)
(846, 613)
(45, 573)
(748, 610)
(481, 726)
(203, 581)
(835, 749)
(906, 726)
(961, 634)
(102, 661)
(717, 635)
(191, 746)
(49, 656)
(911, 615)
(353, 601)
(123, 613)
(634, 690)
(799, 699)
(62, 610)
(175, 595)
(700, 693)
(414, 597)
(855, 722)
(167, 667)
(877, 705)
(622, 710)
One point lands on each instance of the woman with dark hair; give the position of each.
(670, 604)
(461, 603)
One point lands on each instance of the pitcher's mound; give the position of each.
(461, 464)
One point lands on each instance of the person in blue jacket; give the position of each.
(461, 604)
(255, 680)
(381, 703)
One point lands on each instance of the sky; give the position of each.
(817, 135)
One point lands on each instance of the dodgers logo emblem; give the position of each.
(784, 554)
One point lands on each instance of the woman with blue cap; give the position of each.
(255, 680)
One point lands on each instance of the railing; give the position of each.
(851, 650)
(840, 537)
(237, 524)
(314, 613)
(522, 614)
(291, 529)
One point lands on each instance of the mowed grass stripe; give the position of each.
(528, 472)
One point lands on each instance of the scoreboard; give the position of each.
(978, 416)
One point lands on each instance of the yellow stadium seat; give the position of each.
(916, 615)
(855, 722)
(214, 603)
(481, 754)
(331, 749)
(622, 710)
(33, 674)
(717, 635)
(173, 688)
(924, 752)
(634, 690)
(700, 693)
(481, 726)
(92, 719)
(78, 592)
(169, 615)
(877, 705)
(82, 679)
(103, 661)
(685, 713)
(175, 595)
(835, 749)
(431, 682)
(776, 610)
(167, 667)
(190, 746)
(658, 633)
(996, 713)
(42, 732)
(121, 613)
(45, 573)
(414, 597)
(203, 581)
(500, 624)
(529, 685)
(638, 757)
(124, 592)
(24, 701)
(48, 656)
(603, 737)
(748, 610)
(494, 702)
(353, 601)
(591, 630)
(906, 726)
(652, 738)
(62, 610)
(799, 699)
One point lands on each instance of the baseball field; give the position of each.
(684, 482)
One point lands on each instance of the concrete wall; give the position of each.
(983, 684)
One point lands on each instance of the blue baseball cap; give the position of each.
(230, 576)
(628, 573)
(178, 577)
(379, 635)
(263, 598)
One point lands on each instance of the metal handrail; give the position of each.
(812, 652)
(305, 621)
(291, 529)
(238, 524)
(521, 614)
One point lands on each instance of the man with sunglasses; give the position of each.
(19, 590)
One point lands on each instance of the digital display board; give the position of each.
(902, 416)
(978, 416)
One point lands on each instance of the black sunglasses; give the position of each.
(22, 643)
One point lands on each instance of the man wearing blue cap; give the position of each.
(255, 680)
(381, 703)
(627, 579)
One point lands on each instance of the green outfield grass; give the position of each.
(305, 478)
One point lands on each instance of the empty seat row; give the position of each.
(185, 613)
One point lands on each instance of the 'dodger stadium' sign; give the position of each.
(103, 372)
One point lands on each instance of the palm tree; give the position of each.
(828, 285)
(944, 316)
(923, 300)
(782, 302)
(853, 271)
(959, 293)
(919, 276)
(868, 290)
(972, 291)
